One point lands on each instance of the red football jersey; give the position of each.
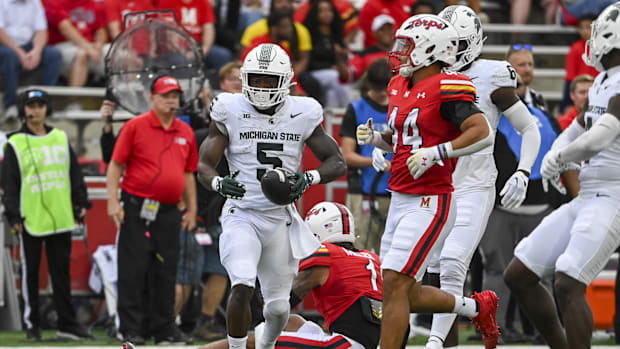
(415, 119)
(351, 275)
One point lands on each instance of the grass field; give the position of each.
(18, 339)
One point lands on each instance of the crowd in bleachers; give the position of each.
(331, 42)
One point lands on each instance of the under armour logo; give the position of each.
(421, 94)
(424, 161)
(406, 94)
(394, 92)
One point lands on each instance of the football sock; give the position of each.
(465, 306)
(237, 343)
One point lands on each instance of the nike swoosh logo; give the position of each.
(598, 195)
(295, 115)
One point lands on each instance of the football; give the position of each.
(276, 185)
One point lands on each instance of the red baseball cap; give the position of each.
(165, 84)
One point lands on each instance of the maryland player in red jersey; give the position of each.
(346, 285)
(433, 120)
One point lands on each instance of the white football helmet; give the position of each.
(468, 25)
(421, 41)
(331, 222)
(266, 59)
(605, 36)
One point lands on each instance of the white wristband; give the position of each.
(315, 176)
(215, 182)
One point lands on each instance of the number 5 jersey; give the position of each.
(258, 142)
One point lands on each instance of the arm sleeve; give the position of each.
(591, 142)
(457, 111)
(11, 184)
(520, 118)
(571, 133)
(79, 195)
(319, 257)
(348, 127)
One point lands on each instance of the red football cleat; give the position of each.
(486, 321)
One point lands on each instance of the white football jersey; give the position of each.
(478, 170)
(604, 167)
(258, 142)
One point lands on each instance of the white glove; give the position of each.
(365, 133)
(378, 161)
(551, 165)
(422, 159)
(556, 181)
(514, 190)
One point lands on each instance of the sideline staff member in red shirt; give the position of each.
(159, 155)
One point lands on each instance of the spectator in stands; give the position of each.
(423, 7)
(77, 29)
(43, 216)
(363, 180)
(115, 10)
(292, 38)
(521, 57)
(579, 88)
(159, 155)
(198, 18)
(572, 10)
(230, 77)
(399, 10)
(348, 14)
(383, 29)
(232, 17)
(23, 45)
(328, 58)
(574, 63)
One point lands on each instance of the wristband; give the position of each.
(315, 176)
(445, 150)
(215, 182)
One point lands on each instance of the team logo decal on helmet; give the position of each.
(421, 41)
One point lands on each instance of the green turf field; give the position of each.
(18, 339)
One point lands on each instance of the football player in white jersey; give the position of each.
(260, 129)
(475, 175)
(575, 241)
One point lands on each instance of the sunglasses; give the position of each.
(518, 47)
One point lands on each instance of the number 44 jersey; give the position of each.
(258, 142)
(425, 115)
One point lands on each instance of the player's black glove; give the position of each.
(229, 187)
(302, 182)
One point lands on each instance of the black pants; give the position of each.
(145, 281)
(58, 251)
